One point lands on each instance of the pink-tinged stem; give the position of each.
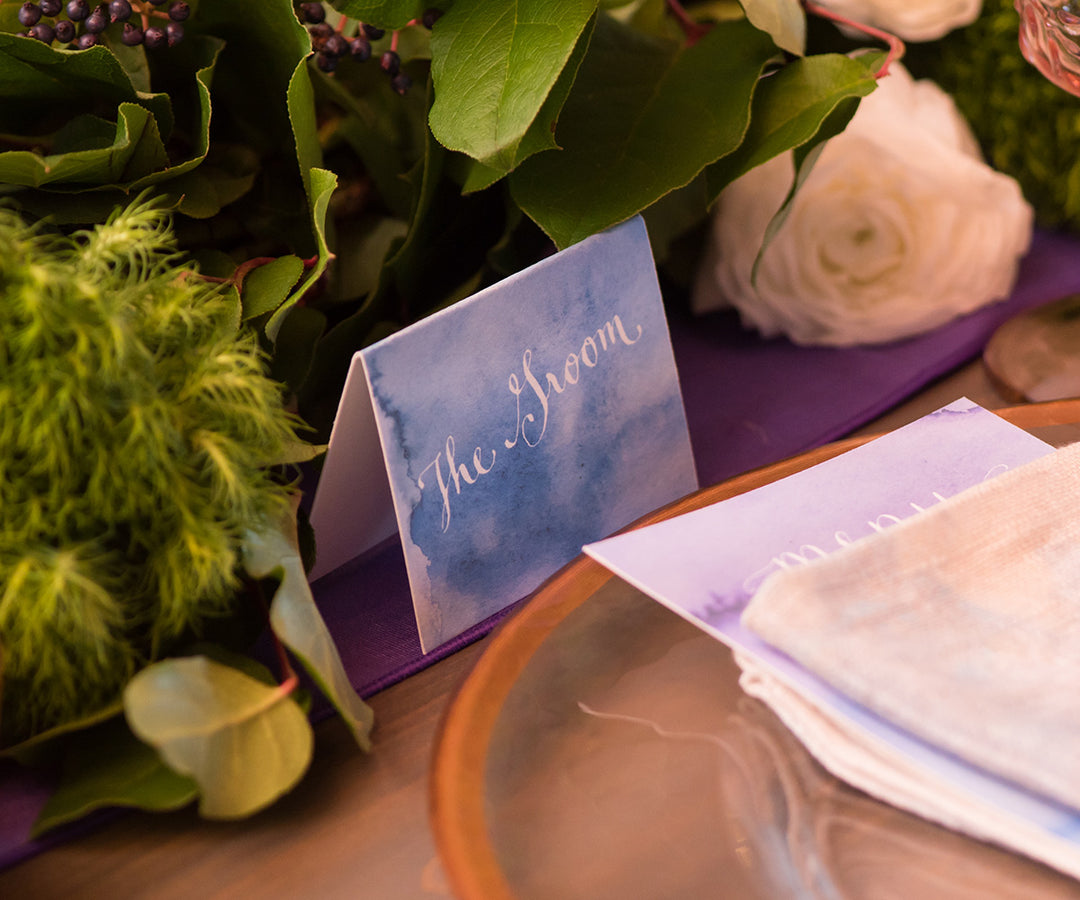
(694, 31)
(896, 46)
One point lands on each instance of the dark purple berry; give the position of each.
(335, 46)
(96, 22)
(43, 32)
(430, 17)
(119, 10)
(319, 34)
(179, 11)
(51, 7)
(400, 83)
(373, 33)
(132, 35)
(29, 13)
(155, 37)
(312, 12)
(325, 62)
(174, 33)
(78, 10)
(360, 48)
(390, 62)
(65, 31)
(86, 41)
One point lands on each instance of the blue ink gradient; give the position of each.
(615, 444)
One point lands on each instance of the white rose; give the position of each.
(899, 227)
(912, 20)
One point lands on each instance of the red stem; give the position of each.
(896, 46)
(694, 31)
(393, 41)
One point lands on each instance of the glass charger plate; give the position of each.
(602, 748)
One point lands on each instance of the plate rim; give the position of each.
(456, 783)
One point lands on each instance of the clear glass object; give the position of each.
(1050, 39)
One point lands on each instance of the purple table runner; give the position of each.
(749, 402)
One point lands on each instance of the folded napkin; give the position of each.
(960, 625)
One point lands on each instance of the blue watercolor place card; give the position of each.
(538, 415)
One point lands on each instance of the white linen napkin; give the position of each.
(961, 625)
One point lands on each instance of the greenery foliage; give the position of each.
(313, 214)
(137, 448)
(1028, 127)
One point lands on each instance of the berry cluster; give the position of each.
(331, 45)
(83, 23)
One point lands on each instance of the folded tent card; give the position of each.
(500, 434)
(931, 662)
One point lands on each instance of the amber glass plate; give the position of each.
(602, 748)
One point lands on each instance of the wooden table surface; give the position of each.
(357, 825)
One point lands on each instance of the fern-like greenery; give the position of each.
(136, 425)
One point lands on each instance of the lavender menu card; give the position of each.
(707, 564)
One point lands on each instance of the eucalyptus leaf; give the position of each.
(671, 110)
(109, 766)
(785, 20)
(243, 742)
(494, 65)
(266, 287)
(295, 620)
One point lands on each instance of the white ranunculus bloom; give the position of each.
(899, 228)
(912, 20)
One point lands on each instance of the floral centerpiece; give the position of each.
(311, 176)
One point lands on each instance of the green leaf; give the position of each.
(384, 13)
(243, 742)
(789, 109)
(670, 111)
(266, 287)
(294, 353)
(784, 20)
(35, 79)
(135, 150)
(320, 185)
(109, 766)
(804, 158)
(295, 620)
(386, 131)
(494, 65)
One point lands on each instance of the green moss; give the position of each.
(1028, 128)
(136, 425)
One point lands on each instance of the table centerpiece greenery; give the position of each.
(196, 191)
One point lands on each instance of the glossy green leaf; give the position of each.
(243, 742)
(670, 111)
(294, 353)
(804, 158)
(785, 20)
(266, 287)
(320, 185)
(41, 86)
(295, 620)
(494, 65)
(136, 150)
(384, 13)
(109, 766)
(789, 108)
